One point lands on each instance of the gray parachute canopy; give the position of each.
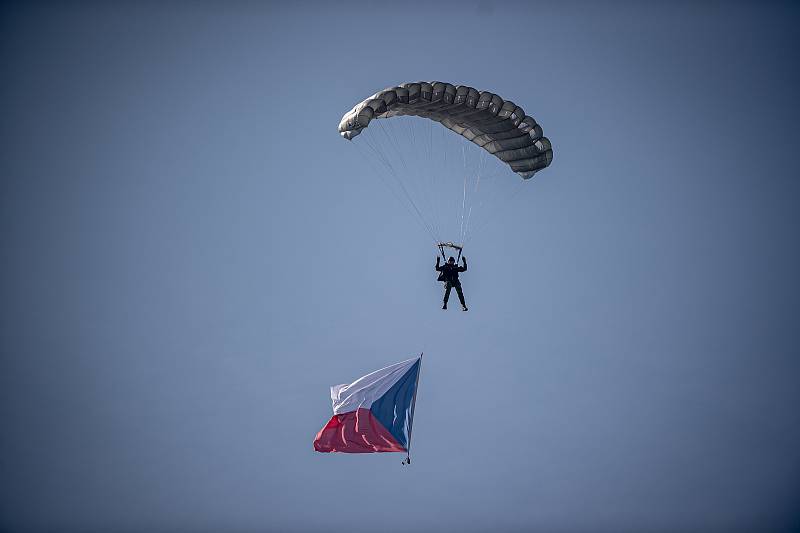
(499, 126)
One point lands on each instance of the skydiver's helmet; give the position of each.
(452, 260)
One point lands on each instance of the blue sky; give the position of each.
(192, 256)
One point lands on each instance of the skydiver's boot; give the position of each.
(444, 306)
(461, 298)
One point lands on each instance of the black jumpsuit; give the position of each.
(450, 278)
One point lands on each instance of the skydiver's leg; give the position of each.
(461, 297)
(447, 287)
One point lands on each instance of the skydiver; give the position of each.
(449, 275)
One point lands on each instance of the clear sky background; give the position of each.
(191, 256)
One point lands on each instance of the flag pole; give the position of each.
(407, 460)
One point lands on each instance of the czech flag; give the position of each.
(374, 413)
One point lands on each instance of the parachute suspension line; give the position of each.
(444, 151)
(424, 183)
(380, 173)
(430, 140)
(383, 159)
(438, 207)
(393, 143)
(430, 178)
(428, 181)
(424, 187)
(462, 235)
(475, 190)
(463, 204)
(439, 170)
(425, 174)
(510, 197)
(379, 154)
(423, 196)
(493, 201)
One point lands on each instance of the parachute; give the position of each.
(420, 162)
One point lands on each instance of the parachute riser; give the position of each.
(453, 245)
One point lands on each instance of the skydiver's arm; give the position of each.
(464, 268)
(438, 268)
